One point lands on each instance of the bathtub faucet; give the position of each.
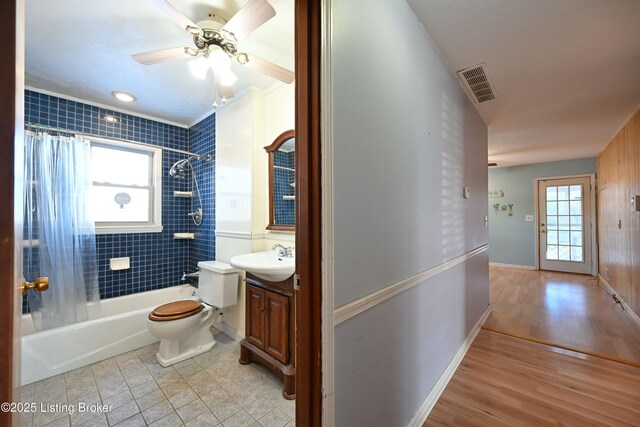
(185, 275)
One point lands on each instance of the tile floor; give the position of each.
(211, 389)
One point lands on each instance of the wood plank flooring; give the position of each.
(506, 381)
(566, 310)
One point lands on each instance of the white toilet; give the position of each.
(183, 326)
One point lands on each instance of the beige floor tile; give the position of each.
(171, 420)
(135, 421)
(99, 421)
(150, 399)
(275, 418)
(239, 419)
(122, 413)
(225, 409)
(192, 410)
(157, 411)
(206, 419)
(143, 389)
(260, 407)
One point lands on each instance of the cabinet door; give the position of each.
(255, 316)
(277, 326)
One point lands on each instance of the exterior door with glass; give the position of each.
(564, 224)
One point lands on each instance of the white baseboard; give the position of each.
(432, 398)
(228, 330)
(628, 309)
(520, 267)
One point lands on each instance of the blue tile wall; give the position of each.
(284, 210)
(157, 259)
(202, 141)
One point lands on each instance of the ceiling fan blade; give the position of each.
(162, 55)
(270, 69)
(253, 14)
(223, 91)
(174, 14)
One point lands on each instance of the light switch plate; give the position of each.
(528, 218)
(467, 192)
(635, 203)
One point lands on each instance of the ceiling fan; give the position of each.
(215, 43)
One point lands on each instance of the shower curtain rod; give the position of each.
(35, 126)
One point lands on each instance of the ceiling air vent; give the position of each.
(477, 81)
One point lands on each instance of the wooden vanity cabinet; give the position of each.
(269, 329)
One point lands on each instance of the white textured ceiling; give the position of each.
(566, 72)
(82, 49)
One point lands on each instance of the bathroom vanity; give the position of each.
(270, 332)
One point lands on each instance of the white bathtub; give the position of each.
(120, 327)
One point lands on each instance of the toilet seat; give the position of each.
(175, 310)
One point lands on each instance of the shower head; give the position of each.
(179, 168)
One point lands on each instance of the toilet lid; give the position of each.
(175, 310)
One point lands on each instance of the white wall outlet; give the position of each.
(119, 263)
(528, 218)
(635, 203)
(467, 192)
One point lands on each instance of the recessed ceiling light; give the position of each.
(123, 96)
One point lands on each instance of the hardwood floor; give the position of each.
(506, 381)
(565, 310)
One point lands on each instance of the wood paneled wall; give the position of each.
(618, 180)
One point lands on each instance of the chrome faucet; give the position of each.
(185, 275)
(286, 252)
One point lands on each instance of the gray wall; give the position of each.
(406, 141)
(512, 239)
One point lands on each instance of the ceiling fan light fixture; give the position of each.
(194, 31)
(228, 36)
(242, 58)
(199, 67)
(221, 65)
(123, 96)
(190, 51)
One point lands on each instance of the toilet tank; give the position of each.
(217, 284)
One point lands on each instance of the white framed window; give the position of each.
(126, 191)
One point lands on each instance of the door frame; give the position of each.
(308, 34)
(308, 52)
(593, 215)
(11, 141)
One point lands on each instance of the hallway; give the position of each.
(506, 381)
(522, 370)
(570, 311)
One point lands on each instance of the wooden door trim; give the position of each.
(308, 213)
(11, 125)
(593, 215)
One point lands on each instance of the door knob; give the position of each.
(41, 284)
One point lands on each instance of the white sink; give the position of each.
(265, 265)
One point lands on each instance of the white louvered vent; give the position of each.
(477, 81)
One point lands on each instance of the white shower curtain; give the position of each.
(57, 183)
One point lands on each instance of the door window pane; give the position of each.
(575, 207)
(552, 252)
(552, 237)
(576, 222)
(576, 253)
(563, 237)
(552, 208)
(563, 223)
(575, 192)
(564, 253)
(563, 208)
(552, 193)
(563, 193)
(576, 238)
(552, 222)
